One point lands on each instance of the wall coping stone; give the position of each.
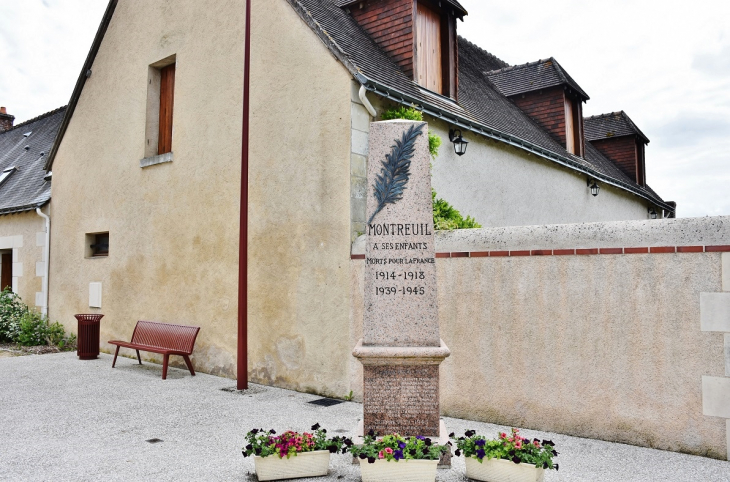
(684, 235)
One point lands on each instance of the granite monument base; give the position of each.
(401, 391)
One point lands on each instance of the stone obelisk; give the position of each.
(401, 348)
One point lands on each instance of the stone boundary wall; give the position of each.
(618, 331)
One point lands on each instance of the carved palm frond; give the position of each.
(391, 182)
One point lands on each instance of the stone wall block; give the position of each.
(715, 312)
(716, 397)
(726, 271)
(727, 354)
(360, 118)
(360, 143)
(358, 166)
(359, 188)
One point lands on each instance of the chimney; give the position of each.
(544, 91)
(6, 120)
(419, 35)
(617, 137)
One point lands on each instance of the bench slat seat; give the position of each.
(163, 338)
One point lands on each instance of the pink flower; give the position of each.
(537, 444)
(518, 444)
(503, 435)
(388, 450)
(380, 455)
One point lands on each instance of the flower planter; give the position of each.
(499, 470)
(306, 464)
(400, 471)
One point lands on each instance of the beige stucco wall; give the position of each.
(498, 184)
(299, 207)
(501, 185)
(23, 235)
(607, 346)
(173, 227)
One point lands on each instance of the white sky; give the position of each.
(666, 63)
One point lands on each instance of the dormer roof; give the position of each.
(532, 76)
(460, 11)
(613, 124)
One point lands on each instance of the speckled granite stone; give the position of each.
(401, 349)
(400, 274)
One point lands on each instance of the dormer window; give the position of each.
(574, 126)
(435, 48)
(419, 35)
(6, 174)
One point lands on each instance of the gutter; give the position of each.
(46, 260)
(486, 131)
(242, 355)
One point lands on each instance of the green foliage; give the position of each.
(512, 447)
(395, 448)
(12, 310)
(349, 397)
(410, 113)
(289, 443)
(19, 324)
(34, 330)
(446, 217)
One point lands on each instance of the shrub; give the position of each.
(21, 325)
(12, 310)
(410, 113)
(446, 217)
(34, 330)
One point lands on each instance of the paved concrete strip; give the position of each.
(64, 419)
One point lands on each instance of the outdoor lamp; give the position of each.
(652, 213)
(459, 142)
(594, 187)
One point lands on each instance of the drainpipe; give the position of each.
(46, 253)
(242, 358)
(366, 102)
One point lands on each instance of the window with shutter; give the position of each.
(167, 96)
(429, 63)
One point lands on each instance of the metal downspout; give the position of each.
(46, 263)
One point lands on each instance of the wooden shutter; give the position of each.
(428, 49)
(569, 134)
(6, 276)
(167, 96)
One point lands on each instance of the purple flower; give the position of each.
(402, 445)
(420, 437)
(481, 453)
(398, 454)
(479, 443)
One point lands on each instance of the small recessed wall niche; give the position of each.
(97, 245)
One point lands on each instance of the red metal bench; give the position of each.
(162, 338)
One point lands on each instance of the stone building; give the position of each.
(25, 194)
(235, 209)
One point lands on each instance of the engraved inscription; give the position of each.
(402, 399)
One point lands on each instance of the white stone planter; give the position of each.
(400, 471)
(307, 464)
(499, 470)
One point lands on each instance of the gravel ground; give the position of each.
(69, 420)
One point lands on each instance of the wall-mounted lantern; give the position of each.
(652, 213)
(459, 143)
(593, 186)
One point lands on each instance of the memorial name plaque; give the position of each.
(401, 348)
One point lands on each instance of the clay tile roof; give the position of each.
(613, 124)
(519, 79)
(25, 189)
